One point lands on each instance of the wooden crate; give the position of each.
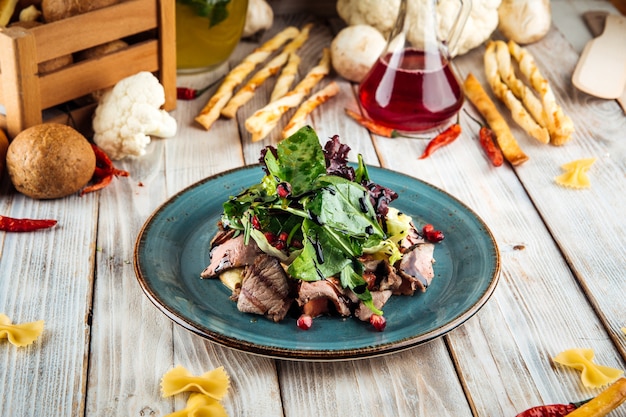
(25, 94)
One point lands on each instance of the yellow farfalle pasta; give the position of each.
(20, 334)
(592, 375)
(214, 383)
(575, 175)
(200, 405)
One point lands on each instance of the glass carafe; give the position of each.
(412, 87)
(207, 32)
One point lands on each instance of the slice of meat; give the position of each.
(413, 237)
(385, 274)
(416, 268)
(230, 253)
(311, 292)
(265, 289)
(362, 312)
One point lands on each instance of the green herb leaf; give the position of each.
(254, 197)
(299, 162)
(214, 10)
(323, 255)
(345, 206)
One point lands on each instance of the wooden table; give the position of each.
(105, 346)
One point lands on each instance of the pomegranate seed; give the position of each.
(283, 189)
(255, 223)
(379, 322)
(305, 322)
(283, 236)
(280, 245)
(271, 237)
(432, 235)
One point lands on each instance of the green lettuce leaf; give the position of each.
(299, 161)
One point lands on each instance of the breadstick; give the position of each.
(211, 111)
(560, 126)
(247, 91)
(266, 118)
(286, 77)
(299, 117)
(518, 112)
(271, 68)
(519, 89)
(507, 142)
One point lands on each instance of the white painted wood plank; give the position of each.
(47, 275)
(417, 382)
(503, 354)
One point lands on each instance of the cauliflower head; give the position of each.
(382, 14)
(481, 23)
(129, 113)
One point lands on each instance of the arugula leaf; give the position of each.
(299, 161)
(345, 206)
(214, 10)
(258, 195)
(323, 255)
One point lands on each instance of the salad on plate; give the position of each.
(317, 236)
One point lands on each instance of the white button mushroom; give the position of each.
(524, 21)
(354, 51)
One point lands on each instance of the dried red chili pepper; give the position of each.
(103, 173)
(10, 224)
(186, 93)
(444, 138)
(98, 185)
(372, 126)
(487, 141)
(552, 410)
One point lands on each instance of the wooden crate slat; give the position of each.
(84, 77)
(20, 92)
(167, 56)
(83, 31)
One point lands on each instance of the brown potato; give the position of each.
(51, 64)
(54, 10)
(49, 161)
(4, 145)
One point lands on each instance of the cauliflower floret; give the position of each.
(481, 23)
(129, 113)
(380, 14)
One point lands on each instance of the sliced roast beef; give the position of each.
(265, 289)
(412, 238)
(362, 312)
(311, 292)
(222, 235)
(416, 268)
(229, 253)
(384, 275)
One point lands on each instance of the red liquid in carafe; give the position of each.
(418, 93)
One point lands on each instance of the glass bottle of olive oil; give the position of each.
(207, 32)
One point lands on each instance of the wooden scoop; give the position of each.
(601, 69)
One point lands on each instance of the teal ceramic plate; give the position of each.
(173, 248)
